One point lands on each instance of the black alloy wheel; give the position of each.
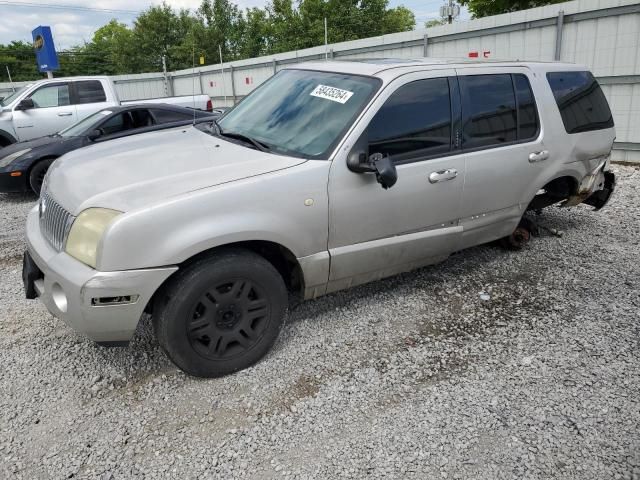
(220, 313)
(229, 319)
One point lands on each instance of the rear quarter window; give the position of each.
(582, 104)
(90, 91)
(168, 116)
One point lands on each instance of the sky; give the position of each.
(74, 26)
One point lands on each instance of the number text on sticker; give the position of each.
(332, 93)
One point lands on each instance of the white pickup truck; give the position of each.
(48, 106)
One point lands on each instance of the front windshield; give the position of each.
(82, 126)
(5, 102)
(301, 112)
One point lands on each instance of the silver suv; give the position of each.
(327, 176)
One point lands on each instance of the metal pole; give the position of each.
(326, 40)
(49, 74)
(224, 88)
(10, 81)
(164, 74)
(233, 85)
(559, 27)
(450, 12)
(275, 68)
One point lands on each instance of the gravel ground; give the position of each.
(491, 365)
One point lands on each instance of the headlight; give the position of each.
(86, 233)
(10, 158)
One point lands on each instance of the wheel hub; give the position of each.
(228, 317)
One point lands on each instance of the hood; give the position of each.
(137, 171)
(36, 142)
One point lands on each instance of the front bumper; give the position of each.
(71, 290)
(10, 184)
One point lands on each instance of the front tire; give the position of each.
(36, 176)
(221, 313)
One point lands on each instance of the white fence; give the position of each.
(602, 34)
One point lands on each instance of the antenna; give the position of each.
(193, 76)
(326, 40)
(224, 88)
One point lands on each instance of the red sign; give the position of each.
(473, 54)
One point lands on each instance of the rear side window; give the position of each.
(582, 104)
(415, 121)
(528, 124)
(168, 116)
(489, 110)
(90, 91)
(497, 110)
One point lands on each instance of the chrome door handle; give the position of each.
(443, 175)
(65, 114)
(538, 156)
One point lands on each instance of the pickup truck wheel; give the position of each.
(36, 176)
(221, 314)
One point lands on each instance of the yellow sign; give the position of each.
(201, 60)
(38, 43)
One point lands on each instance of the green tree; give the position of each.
(179, 35)
(399, 19)
(255, 31)
(484, 8)
(157, 32)
(435, 22)
(284, 26)
(222, 25)
(20, 58)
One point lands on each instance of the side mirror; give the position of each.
(382, 166)
(95, 134)
(26, 104)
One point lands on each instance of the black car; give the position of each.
(24, 164)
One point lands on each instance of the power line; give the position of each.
(66, 7)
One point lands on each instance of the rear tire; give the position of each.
(221, 313)
(36, 176)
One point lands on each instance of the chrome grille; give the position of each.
(55, 221)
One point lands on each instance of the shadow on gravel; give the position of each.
(17, 198)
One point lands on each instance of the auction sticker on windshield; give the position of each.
(332, 93)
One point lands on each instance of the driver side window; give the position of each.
(414, 122)
(117, 123)
(51, 96)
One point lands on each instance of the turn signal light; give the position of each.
(15, 174)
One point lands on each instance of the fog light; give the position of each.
(110, 301)
(59, 297)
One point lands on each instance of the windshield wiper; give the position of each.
(263, 147)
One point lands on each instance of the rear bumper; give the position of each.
(600, 198)
(71, 291)
(11, 184)
(595, 188)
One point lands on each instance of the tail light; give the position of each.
(209, 106)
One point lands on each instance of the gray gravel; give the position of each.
(491, 365)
